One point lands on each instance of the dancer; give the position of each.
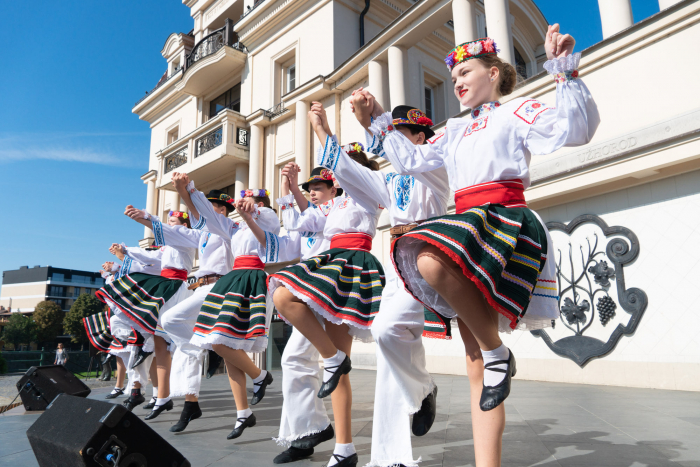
(235, 317)
(342, 285)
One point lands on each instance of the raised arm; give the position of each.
(180, 181)
(279, 249)
(311, 220)
(290, 183)
(150, 258)
(216, 223)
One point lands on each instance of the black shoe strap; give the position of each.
(333, 369)
(498, 362)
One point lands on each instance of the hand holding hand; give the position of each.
(558, 45)
(291, 171)
(107, 266)
(180, 180)
(134, 213)
(117, 248)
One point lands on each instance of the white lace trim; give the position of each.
(410, 463)
(380, 125)
(287, 442)
(288, 199)
(563, 64)
(256, 345)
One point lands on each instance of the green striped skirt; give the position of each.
(235, 312)
(141, 297)
(436, 326)
(502, 250)
(97, 330)
(343, 286)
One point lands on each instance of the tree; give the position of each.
(48, 317)
(20, 329)
(84, 305)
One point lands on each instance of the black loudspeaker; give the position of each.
(84, 432)
(41, 384)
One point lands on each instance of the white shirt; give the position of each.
(496, 141)
(296, 244)
(170, 257)
(131, 265)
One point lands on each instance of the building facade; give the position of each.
(23, 288)
(230, 110)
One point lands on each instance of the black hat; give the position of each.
(321, 174)
(221, 197)
(410, 117)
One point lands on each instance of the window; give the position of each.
(429, 100)
(176, 66)
(520, 65)
(231, 99)
(434, 99)
(173, 135)
(58, 277)
(56, 291)
(291, 78)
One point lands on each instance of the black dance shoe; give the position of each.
(189, 413)
(492, 397)
(329, 386)
(292, 455)
(260, 393)
(158, 409)
(116, 392)
(245, 423)
(424, 418)
(133, 401)
(140, 358)
(151, 403)
(350, 461)
(214, 362)
(310, 441)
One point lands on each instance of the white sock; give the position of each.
(155, 391)
(494, 378)
(335, 360)
(345, 450)
(243, 414)
(160, 401)
(116, 390)
(260, 377)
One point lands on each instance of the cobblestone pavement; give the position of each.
(548, 424)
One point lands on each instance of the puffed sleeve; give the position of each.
(311, 220)
(575, 119)
(364, 185)
(279, 249)
(144, 257)
(175, 236)
(216, 223)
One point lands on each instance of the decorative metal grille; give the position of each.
(242, 136)
(275, 111)
(207, 46)
(175, 160)
(208, 142)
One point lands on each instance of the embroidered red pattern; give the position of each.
(529, 110)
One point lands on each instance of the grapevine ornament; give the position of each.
(606, 309)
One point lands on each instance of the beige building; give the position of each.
(231, 110)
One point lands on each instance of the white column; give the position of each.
(663, 4)
(398, 60)
(301, 140)
(464, 20)
(150, 204)
(498, 26)
(615, 15)
(256, 149)
(377, 71)
(241, 179)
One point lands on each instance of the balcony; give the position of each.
(216, 55)
(211, 151)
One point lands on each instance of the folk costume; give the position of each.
(500, 244)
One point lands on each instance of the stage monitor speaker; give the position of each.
(85, 432)
(41, 384)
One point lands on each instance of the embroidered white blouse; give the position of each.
(130, 265)
(496, 141)
(243, 242)
(295, 244)
(170, 257)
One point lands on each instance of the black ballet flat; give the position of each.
(424, 418)
(310, 441)
(214, 362)
(159, 409)
(114, 395)
(492, 397)
(189, 413)
(133, 401)
(350, 461)
(140, 358)
(151, 404)
(245, 423)
(260, 393)
(292, 455)
(329, 386)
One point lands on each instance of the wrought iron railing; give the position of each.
(175, 160)
(213, 42)
(209, 141)
(275, 111)
(160, 83)
(250, 10)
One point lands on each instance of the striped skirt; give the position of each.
(343, 286)
(141, 297)
(436, 326)
(235, 312)
(97, 330)
(502, 250)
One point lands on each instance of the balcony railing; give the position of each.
(209, 141)
(250, 10)
(213, 42)
(175, 160)
(160, 83)
(275, 111)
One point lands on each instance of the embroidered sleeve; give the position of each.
(381, 126)
(284, 248)
(375, 144)
(286, 202)
(328, 155)
(201, 222)
(216, 223)
(563, 69)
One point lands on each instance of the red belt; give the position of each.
(180, 274)
(352, 241)
(248, 262)
(509, 193)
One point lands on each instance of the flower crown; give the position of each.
(254, 193)
(469, 50)
(178, 214)
(415, 117)
(353, 148)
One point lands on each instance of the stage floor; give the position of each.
(548, 424)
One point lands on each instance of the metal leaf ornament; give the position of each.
(602, 273)
(575, 313)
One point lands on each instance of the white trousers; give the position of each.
(120, 327)
(402, 379)
(178, 322)
(303, 413)
(140, 373)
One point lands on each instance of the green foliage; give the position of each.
(84, 305)
(48, 317)
(3, 365)
(20, 329)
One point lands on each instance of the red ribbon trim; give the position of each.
(248, 262)
(352, 241)
(509, 193)
(179, 274)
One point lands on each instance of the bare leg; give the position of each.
(341, 398)
(163, 366)
(153, 372)
(239, 359)
(303, 319)
(121, 372)
(236, 379)
(487, 426)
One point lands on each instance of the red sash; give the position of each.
(509, 193)
(248, 262)
(352, 241)
(180, 274)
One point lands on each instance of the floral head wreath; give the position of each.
(414, 117)
(468, 50)
(178, 214)
(353, 148)
(254, 193)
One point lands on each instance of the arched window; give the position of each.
(520, 65)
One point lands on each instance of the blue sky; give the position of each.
(71, 151)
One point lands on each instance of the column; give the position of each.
(663, 4)
(377, 71)
(301, 139)
(615, 15)
(150, 203)
(464, 19)
(241, 179)
(498, 26)
(398, 60)
(256, 147)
